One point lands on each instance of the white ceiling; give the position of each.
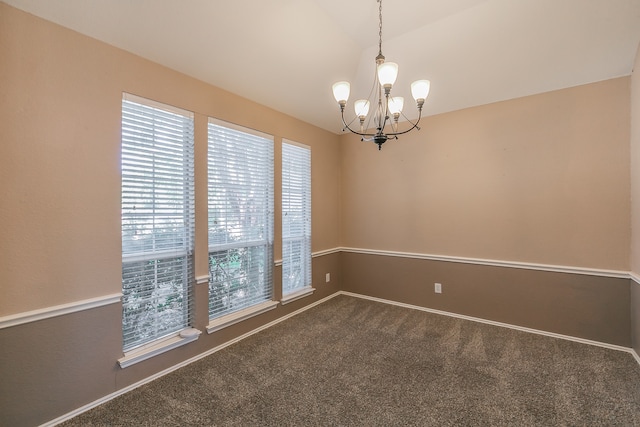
(286, 54)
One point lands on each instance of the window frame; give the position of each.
(296, 199)
(147, 142)
(220, 152)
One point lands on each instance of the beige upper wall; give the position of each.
(541, 179)
(635, 166)
(60, 103)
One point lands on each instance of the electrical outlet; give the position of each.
(327, 277)
(438, 288)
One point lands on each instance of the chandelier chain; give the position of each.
(380, 27)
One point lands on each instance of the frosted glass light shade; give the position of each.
(395, 104)
(387, 73)
(341, 91)
(420, 89)
(362, 107)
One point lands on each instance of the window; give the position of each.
(157, 221)
(296, 219)
(240, 219)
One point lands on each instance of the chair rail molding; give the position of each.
(58, 310)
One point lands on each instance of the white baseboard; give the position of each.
(491, 322)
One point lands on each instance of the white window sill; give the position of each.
(297, 295)
(239, 316)
(139, 354)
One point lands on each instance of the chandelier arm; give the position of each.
(392, 135)
(346, 126)
(415, 126)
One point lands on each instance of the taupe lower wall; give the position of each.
(54, 366)
(635, 316)
(589, 307)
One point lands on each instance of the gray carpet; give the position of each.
(353, 362)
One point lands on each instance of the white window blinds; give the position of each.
(240, 218)
(157, 220)
(296, 217)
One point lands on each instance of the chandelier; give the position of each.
(388, 107)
